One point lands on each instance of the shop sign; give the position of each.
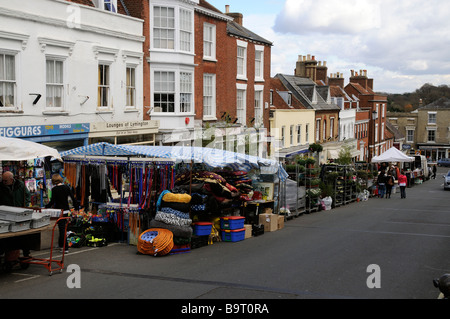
(124, 128)
(406, 146)
(43, 130)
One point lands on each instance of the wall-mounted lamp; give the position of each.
(86, 98)
(38, 97)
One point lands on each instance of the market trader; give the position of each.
(13, 191)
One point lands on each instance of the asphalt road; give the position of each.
(324, 255)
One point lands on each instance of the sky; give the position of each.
(402, 44)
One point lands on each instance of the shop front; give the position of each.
(59, 136)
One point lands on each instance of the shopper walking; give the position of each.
(389, 184)
(434, 171)
(402, 183)
(381, 184)
(60, 200)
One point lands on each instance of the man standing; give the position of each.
(13, 191)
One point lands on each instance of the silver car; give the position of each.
(447, 180)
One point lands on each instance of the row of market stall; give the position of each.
(130, 193)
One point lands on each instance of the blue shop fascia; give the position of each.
(59, 136)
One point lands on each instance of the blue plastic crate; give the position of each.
(202, 229)
(233, 235)
(232, 222)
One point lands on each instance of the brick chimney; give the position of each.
(322, 72)
(360, 78)
(238, 17)
(306, 67)
(336, 79)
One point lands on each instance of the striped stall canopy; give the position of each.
(209, 156)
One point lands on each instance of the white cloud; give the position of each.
(403, 42)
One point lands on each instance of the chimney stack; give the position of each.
(336, 79)
(238, 17)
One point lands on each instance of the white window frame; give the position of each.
(299, 134)
(241, 104)
(102, 4)
(130, 86)
(291, 135)
(186, 92)
(259, 102)
(54, 85)
(382, 131)
(433, 140)
(376, 132)
(318, 121)
(4, 82)
(324, 129)
(209, 41)
(259, 63)
(241, 60)
(332, 127)
(209, 96)
(283, 131)
(307, 133)
(167, 87)
(186, 30)
(410, 135)
(432, 118)
(164, 27)
(101, 86)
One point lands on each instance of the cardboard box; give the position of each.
(248, 231)
(270, 222)
(280, 221)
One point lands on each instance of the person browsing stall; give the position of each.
(13, 191)
(60, 200)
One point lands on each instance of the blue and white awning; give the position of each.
(209, 156)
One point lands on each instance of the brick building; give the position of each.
(361, 87)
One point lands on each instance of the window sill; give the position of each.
(209, 59)
(131, 110)
(209, 118)
(55, 113)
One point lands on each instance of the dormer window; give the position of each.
(108, 5)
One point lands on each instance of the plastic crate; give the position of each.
(232, 222)
(19, 226)
(199, 241)
(15, 214)
(233, 235)
(40, 220)
(4, 226)
(202, 229)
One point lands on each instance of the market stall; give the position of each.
(200, 186)
(394, 156)
(20, 225)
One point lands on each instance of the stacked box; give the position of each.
(233, 235)
(15, 214)
(199, 241)
(232, 222)
(4, 226)
(39, 220)
(202, 228)
(19, 226)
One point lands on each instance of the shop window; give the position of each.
(7, 81)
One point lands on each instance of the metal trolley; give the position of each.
(49, 262)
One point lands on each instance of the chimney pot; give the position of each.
(309, 56)
(227, 8)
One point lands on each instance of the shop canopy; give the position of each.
(392, 155)
(209, 156)
(16, 149)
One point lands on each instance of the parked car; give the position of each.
(443, 162)
(447, 180)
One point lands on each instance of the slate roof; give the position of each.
(237, 30)
(441, 104)
(305, 90)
